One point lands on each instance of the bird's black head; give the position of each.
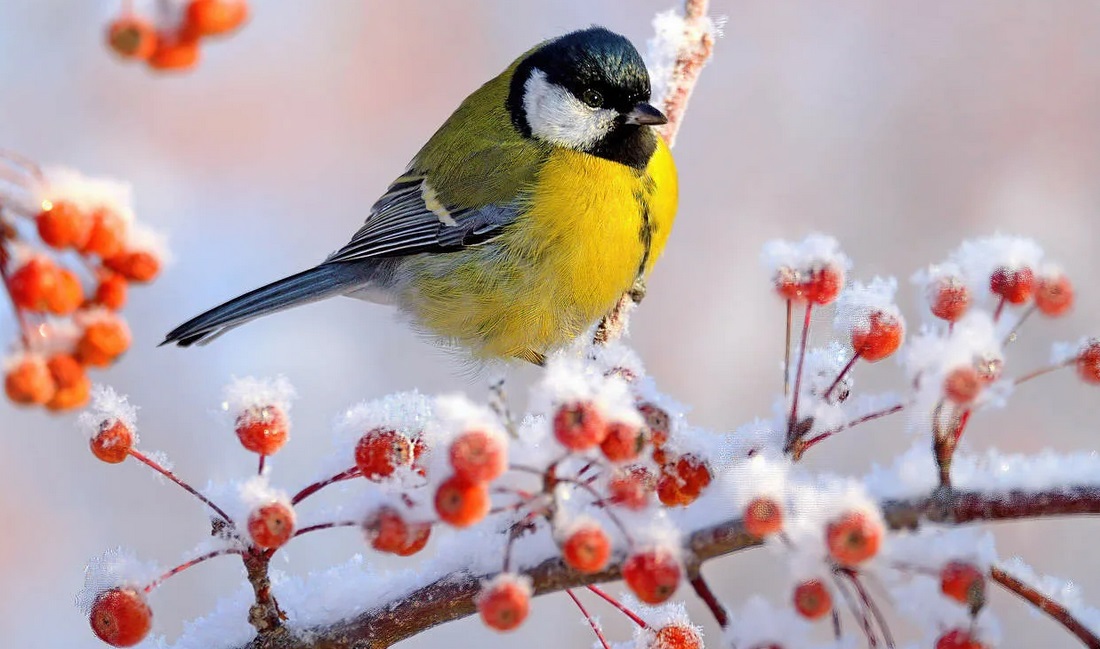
(589, 91)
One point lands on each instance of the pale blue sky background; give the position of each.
(899, 127)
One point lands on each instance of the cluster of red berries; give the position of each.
(136, 38)
(1051, 293)
(818, 283)
(50, 367)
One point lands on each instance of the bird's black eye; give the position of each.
(592, 97)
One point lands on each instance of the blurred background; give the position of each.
(898, 127)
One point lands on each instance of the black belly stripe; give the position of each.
(645, 232)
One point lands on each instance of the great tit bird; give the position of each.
(521, 222)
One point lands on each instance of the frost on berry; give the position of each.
(652, 574)
(763, 516)
(113, 442)
(579, 426)
(271, 525)
(1088, 362)
(812, 270)
(631, 487)
(479, 455)
(504, 602)
(683, 480)
(121, 617)
(262, 429)
(853, 538)
(623, 442)
(388, 531)
(657, 422)
(812, 599)
(676, 636)
(380, 452)
(585, 546)
(1013, 285)
(963, 385)
(946, 291)
(461, 503)
(867, 312)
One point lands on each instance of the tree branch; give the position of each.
(1046, 605)
(452, 596)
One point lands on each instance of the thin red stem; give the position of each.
(787, 351)
(798, 374)
(964, 419)
(1000, 309)
(614, 602)
(702, 589)
(154, 465)
(859, 613)
(1046, 605)
(852, 424)
(187, 564)
(1034, 374)
(326, 526)
(870, 605)
(591, 622)
(840, 377)
(313, 488)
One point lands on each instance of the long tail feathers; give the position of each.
(307, 286)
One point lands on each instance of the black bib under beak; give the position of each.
(646, 115)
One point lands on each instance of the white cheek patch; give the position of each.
(556, 116)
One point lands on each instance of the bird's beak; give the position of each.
(645, 115)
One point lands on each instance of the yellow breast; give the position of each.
(590, 227)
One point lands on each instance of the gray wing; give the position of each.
(409, 219)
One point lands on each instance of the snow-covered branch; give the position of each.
(451, 596)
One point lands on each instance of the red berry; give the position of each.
(853, 539)
(120, 617)
(263, 429)
(1088, 363)
(958, 639)
(657, 423)
(113, 442)
(67, 294)
(504, 602)
(271, 525)
(1054, 295)
(652, 575)
(579, 426)
(963, 384)
(387, 531)
(132, 38)
(462, 503)
(381, 451)
(174, 52)
(1012, 285)
(623, 442)
(138, 266)
(788, 283)
(812, 599)
(631, 488)
(763, 516)
(108, 233)
(62, 225)
(214, 17)
(823, 284)
(29, 382)
(73, 385)
(478, 456)
(949, 298)
(587, 549)
(681, 482)
(32, 283)
(111, 291)
(103, 341)
(964, 583)
(880, 339)
(677, 636)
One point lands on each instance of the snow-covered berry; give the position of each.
(1013, 285)
(631, 487)
(121, 617)
(388, 531)
(949, 298)
(504, 602)
(853, 538)
(652, 575)
(963, 384)
(1054, 295)
(381, 451)
(763, 517)
(478, 456)
(579, 426)
(623, 442)
(112, 442)
(676, 636)
(1088, 362)
(263, 429)
(271, 525)
(880, 338)
(681, 482)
